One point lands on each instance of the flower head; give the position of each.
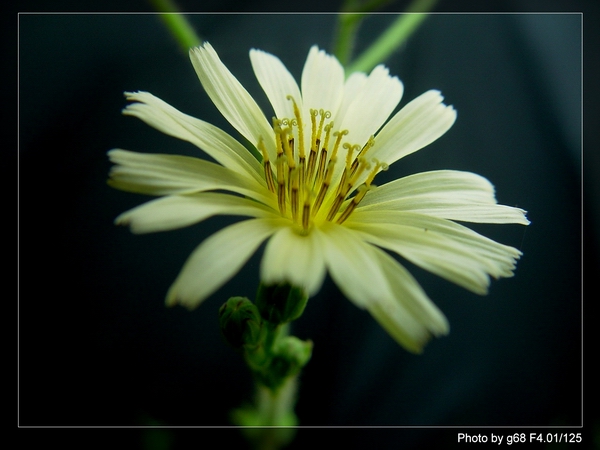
(313, 197)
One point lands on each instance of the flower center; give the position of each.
(315, 186)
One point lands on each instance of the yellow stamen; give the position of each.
(362, 190)
(306, 213)
(324, 186)
(294, 186)
(362, 152)
(267, 165)
(323, 156)
(362, 166)
(304, 183)
(288, 147)
(379, 166)
(281, 183)
(298, 117)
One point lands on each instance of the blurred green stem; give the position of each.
(177, 23)
(351, 14)
(269, 423)
(391, 39)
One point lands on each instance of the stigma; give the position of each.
(321, 179)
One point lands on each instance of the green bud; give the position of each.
(291, 355)
(296, 351)
(280, 303)
(240, 323)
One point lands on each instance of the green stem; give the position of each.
(278, 410)
(351, 15)
(392, 38)
(271, 420)
(277, 407)
(177, 23)
(346, 35)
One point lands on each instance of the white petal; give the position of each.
(448, 194)
(438, 245)
(418, 124)
(365, 276)
(353, 85)
(322, 82)
(407, 314)
(157, 174)
(218, 259)
(231, 98)
(411, 296)
(178, 211)
(371, 106)
(277, 82)
(215, 142)
(430, 251)
(293, 258)
(399, 324)
(351, 265)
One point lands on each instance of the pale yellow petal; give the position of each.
(369, 279)
(431, 251)
(416, 125)
(443, 247)
(178, 211)
(351, 265)
(215, 142)
(371, 106)
(218, 259)
(277, 82)
(448, 194)
(322, 81)
(231, 98)
(159, 174)
(295, 259)
(411, 295)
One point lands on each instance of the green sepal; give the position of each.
(241, 324)
(289, 357)
(280, 303)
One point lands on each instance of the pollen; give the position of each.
(318, 175)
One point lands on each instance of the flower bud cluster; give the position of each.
(258, 330)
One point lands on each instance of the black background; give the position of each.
(97, 347)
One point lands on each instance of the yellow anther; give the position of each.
(266, 165)
(362, 190)
(321, 166)
(314, 137)
(263, 149)
(339, 199)
(379, 166)
(299, 124)
(339, 135)
(302, 172)
(328, 128)
(324, 115)
(287, 148)
(281, 172)
(362, 166)
(370, 143)
(349, 154)
(303, 183)
(324, 185)
(294, 187)
(306, 214)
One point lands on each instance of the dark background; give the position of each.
(97, 347)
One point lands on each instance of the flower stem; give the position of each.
(177, 23)
(349, 19)
(391, 39)
(269, 423)
(277, 410)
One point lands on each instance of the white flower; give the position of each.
(312, 196)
